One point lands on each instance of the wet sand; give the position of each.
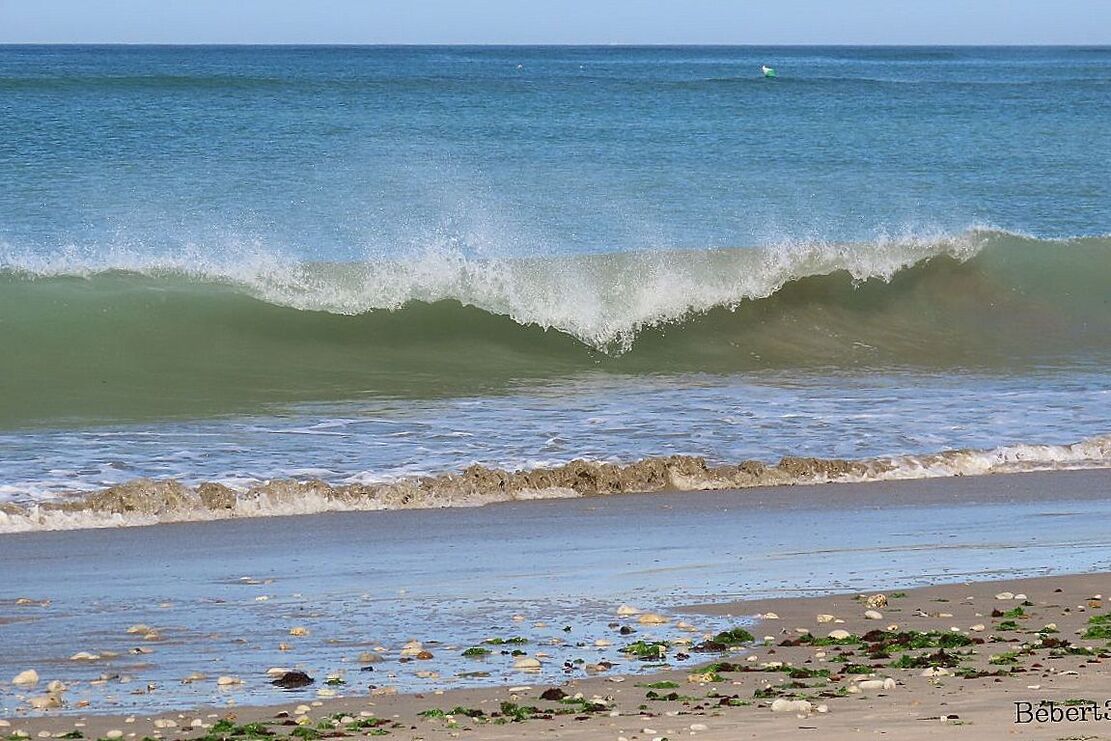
(361, 582)
(1025, 641)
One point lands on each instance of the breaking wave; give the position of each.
(127, 336)
(149, 502)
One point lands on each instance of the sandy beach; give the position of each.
(962, 660)
(634, 607)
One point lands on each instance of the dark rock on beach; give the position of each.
(293, 680)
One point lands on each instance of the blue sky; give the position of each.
(558, 22)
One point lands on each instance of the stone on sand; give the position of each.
(50, 701)
(875, 601)
(783, 705)
(26, 678)
(651, 618)
(291, 680)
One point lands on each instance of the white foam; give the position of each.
(287, 500)
(601, 299)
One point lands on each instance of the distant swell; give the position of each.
(128, 336)
(149, 502)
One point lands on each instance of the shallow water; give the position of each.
(360, 580)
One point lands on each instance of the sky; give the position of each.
(557, 21)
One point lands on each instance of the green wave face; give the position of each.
(102, 343)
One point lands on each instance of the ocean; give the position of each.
(361, 265)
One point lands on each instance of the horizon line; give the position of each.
(647, 45)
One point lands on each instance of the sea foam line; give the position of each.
(149, 502)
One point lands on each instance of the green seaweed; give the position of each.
(475, 652)
(1099, 628)
(517, 713)
(647, 650)
(734, 637)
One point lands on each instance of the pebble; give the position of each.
(114, 733)
(783, 705)
(651, 618)
(876, 600)
(877, 684)
(165, 723)
(412, 648)
(1005, 595)
(839, 634)
(703, 678)
(299, 631)
(26, 678)
(699, 727)
(46, 702)
(226, 681)
(626, 610)
(769, 616)
(873, 615)
(527, 663)
(977, 628)
(825, 618)
(84, 656)
(602, 643)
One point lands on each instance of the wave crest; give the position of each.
(114, 333)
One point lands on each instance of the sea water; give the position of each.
(356, 264)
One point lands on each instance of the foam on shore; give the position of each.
(149, 502)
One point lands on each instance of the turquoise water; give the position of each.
(196, 242)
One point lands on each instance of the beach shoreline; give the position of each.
(148, 502)
(973, 695)
(153, 607)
